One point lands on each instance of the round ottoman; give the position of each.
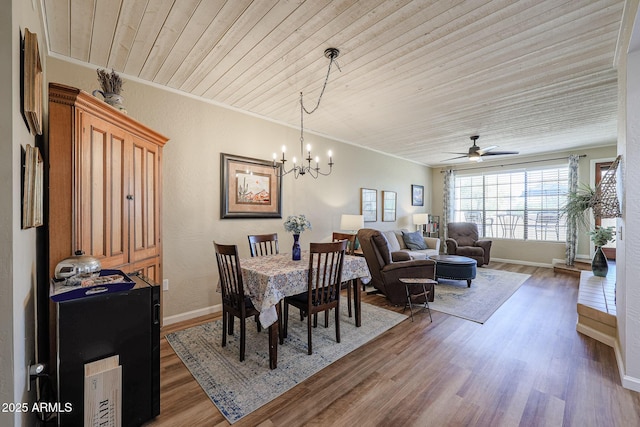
(455, 267)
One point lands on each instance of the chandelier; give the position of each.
(305, 167)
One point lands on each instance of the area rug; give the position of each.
(238, 388)
(488, 291)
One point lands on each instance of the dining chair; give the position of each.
(351, 243)
(263, 244)
(234, 302)
(323, 287)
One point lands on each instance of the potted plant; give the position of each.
(600, 236)
(296, 224)
(111, 85)
(578, 203)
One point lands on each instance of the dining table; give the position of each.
(269, 279)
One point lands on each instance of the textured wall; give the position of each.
(198, 133)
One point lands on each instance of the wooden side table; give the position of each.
(425, 283)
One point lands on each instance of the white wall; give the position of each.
(17, 247)
(198, 133)
(530, 252)
(627, 282)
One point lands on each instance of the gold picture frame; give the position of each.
(249, 188)
(32, 212)
(389, 199)
(369, 204)
(32, 83)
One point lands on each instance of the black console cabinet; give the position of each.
(125, 323)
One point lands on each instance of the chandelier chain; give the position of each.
(302, 169)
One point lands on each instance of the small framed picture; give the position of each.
(249, 188)
(389, 206)
(417, 195)
(369, 204)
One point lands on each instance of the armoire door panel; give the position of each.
(149, 268)
(145, 203)
(103, 178)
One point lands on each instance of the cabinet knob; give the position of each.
(129, 197)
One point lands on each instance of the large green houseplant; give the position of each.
(578, 204)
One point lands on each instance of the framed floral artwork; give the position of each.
(249, 188)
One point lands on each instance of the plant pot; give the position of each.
(113, 99)
(599, 265)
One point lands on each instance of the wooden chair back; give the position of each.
(263, 244)
(234, 301)
(325, 274)
(350, 238)
(230, 276)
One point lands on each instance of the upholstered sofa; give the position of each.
(397, 243)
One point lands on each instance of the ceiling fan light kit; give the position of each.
(476, 153)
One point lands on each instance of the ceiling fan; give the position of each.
(476, 153)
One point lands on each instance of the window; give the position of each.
(523, 204)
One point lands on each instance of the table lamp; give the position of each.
(352, 223)
(421, 220)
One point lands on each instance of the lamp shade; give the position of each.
(420, 218)
(351, 222)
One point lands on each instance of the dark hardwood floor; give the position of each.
(526, 366)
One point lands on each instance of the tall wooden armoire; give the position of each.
(104, 185)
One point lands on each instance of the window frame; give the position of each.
(516, 204)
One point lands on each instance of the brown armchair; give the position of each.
(463, 240)
(388, 267)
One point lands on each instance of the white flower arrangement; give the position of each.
(296, 224)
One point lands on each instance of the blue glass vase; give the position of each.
(296, 254)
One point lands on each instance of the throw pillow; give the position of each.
(414, 241)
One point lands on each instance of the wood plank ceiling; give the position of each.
(417, 78)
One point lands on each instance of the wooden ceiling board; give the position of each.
(277, 18)
(236, 29)
(237, 69)
(81, 24)
(145, 59)
(197, 36)
(58, 26)
(252, 77)
(416, 76)
(129, 23)
(311, 69)
(104, 29)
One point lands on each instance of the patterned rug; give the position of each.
(238, 388)
(488, 291)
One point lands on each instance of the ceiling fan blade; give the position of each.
(500, 153)
(461, 154)
(487, 149)
(456, 158)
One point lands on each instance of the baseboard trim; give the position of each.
(596, 335)
(521, 262)
(192, 314)
(628, 382)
